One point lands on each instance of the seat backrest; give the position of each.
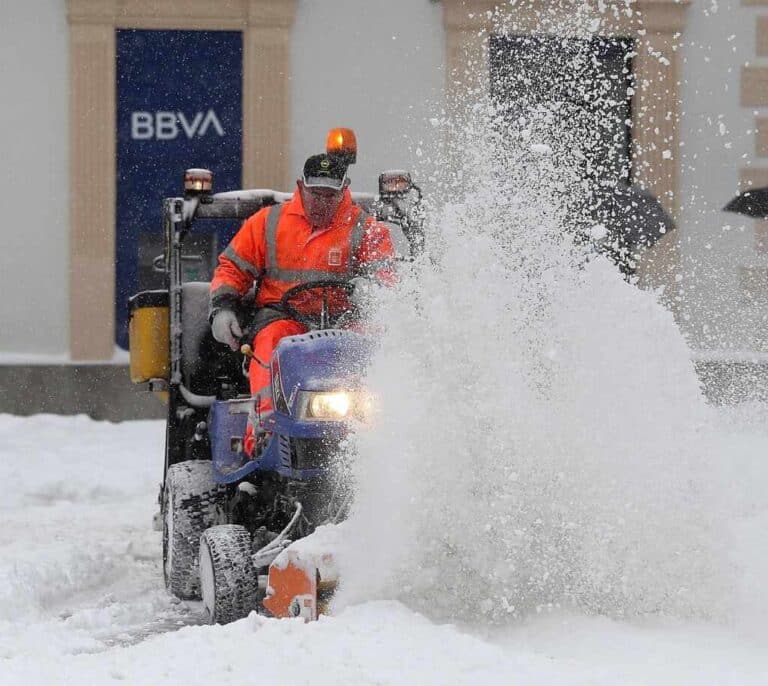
(203, 359)
(197, 344)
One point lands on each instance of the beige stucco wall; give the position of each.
(376, 67)
(723, 294)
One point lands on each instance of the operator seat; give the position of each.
(203, 359)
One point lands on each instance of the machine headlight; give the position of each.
(332, 405)
(329, 405)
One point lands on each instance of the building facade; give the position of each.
(699, 131)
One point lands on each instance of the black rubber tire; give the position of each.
(192, 502)
(230, 582)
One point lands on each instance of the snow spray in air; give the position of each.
(538, 437)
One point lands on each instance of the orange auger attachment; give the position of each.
(301, 581)
(292, 591)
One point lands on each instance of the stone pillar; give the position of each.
(466, 44)
(266, 94)
(656, 132)
(657, 99)
(92, 183)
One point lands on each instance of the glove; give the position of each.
(226, 329)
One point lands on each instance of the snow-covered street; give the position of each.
(82, 597)
(459, 309)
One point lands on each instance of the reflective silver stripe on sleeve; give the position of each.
(242, 264)
(355, 241)
(224, 290)
(290, 275)
(273, 219)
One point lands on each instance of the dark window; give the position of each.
(587, 82)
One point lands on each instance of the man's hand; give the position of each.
(226, 329)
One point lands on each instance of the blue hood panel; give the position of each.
(328, 360)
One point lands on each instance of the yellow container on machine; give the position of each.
(149, 336)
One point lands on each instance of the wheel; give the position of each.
(191, 503)
(229, 581)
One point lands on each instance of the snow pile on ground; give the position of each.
(78, 558)
(83, 599)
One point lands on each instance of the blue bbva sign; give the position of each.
(179, 105)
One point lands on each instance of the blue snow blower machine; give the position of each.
(225, 516)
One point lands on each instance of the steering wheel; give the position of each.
(323, 320)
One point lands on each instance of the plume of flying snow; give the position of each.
(538, 441)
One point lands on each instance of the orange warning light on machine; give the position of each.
(342, 142)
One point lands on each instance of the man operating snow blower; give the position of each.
(320, 234)
(250, 489)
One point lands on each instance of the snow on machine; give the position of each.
(237, 531)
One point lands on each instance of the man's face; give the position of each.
(320, 204)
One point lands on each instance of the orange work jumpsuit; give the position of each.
(277, 248)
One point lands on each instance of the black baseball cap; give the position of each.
(325, 171)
